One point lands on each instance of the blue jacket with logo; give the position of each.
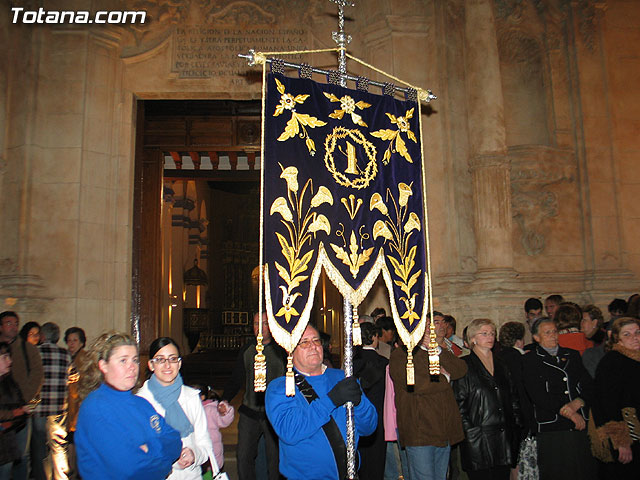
(112, 426)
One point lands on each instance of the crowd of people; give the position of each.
(553, 396)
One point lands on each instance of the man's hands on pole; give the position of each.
(346, 390)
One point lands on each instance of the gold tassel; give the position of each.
(411, 376)
(434, 354)
(434, 360)
(260, 368)
(290, 384)
(357, 335)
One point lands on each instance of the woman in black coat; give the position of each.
(560, 390)
(489, 407)
(618, 388)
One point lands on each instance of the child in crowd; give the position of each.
(219, 415)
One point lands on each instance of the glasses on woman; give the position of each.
(307, 342)
(487, 334)
(163, 360)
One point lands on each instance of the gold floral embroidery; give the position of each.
(398, 234)
(352, 258)
(348, 106)
(395, 136)
(298, 121)
(300, 226)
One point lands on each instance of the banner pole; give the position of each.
(342, 39)
(348, 372)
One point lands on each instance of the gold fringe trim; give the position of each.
(260, 367)
(354, 297)
(287, 340)
(411, 372)
(290, 384)
(357, 334)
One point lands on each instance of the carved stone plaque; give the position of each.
(211, 50)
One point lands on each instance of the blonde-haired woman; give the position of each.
(489, 407)
(119, 435)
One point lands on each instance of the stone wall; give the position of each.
(530, 153)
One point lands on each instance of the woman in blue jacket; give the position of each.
(120, 435)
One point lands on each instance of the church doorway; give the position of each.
(196, 232)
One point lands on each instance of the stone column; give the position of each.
(488, 158)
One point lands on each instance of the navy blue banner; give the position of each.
(342, 191)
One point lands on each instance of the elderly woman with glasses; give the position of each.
(180, 406)
(488, 402)
(561, 391)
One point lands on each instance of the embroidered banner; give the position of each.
(342, 190)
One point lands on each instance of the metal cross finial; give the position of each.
(342, 39)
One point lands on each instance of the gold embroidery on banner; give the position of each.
(300, 226)
(398, 234)
(331, 144)
(298, 121)
(353, 260)
(355, 257)
(348, 106)
(289, 340)
(395, 136)
(352, 206)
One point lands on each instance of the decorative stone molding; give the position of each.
(240, 12)
(380, 31)
(264, 11)
(161, 19)
(587, 11)
(454, 10)
(488, 160)
(23, 293)
(534, 169)
(520, 49)
(8, 265)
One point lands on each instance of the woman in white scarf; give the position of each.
(181, 407)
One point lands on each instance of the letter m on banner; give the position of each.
(343, 190)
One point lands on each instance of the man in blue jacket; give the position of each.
(312, 424)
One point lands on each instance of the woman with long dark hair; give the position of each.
(30, 332)
(180, 406)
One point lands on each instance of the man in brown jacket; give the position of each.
(28, 373)
(427, 413)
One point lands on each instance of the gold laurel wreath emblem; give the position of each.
(362, 178)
